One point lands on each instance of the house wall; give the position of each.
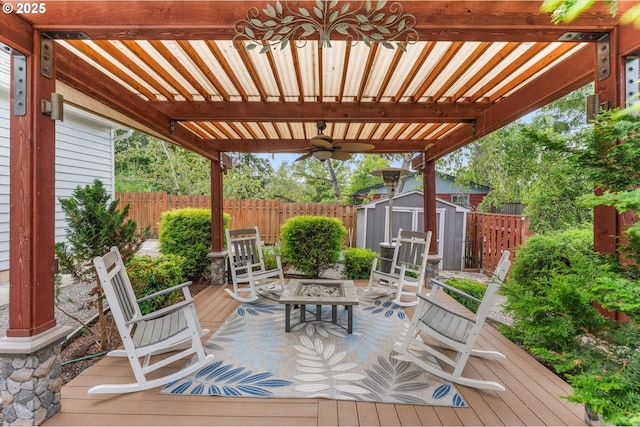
(474, 199)
(4, 162)
(84, 152)
(445, 190)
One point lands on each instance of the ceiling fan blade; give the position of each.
(303, 157)
(322, 141)
(340, 155)
(354, 147)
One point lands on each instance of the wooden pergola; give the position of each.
(178, 70)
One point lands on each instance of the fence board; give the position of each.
(146, 209)
(487, 235)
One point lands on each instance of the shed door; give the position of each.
(413, 219)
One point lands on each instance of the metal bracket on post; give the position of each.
(603, 47)
(19, 80)
(19, 85)
(46, 57)
(604, 61)
(631, 80)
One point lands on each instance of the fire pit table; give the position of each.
(319, 292)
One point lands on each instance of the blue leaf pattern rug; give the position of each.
(255, 357)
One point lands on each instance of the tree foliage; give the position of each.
(95, 224)
(144, 163)
(527, 162)
(248, 178)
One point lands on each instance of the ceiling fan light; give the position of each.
(322, 155)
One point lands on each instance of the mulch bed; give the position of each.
(83, 352)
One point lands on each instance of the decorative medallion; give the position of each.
(289, 22)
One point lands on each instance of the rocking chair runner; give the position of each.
(408, 268)
(151, 336)
(247, 267)
(452, 330)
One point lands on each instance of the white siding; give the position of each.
(84, 152)
(4, 160)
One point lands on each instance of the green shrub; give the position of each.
(471, 287)
(549, 292)
(151, 274)
(269, 254)
(187, 232)
(312, 244)
(357, 263)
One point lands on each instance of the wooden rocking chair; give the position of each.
(408, 268)
(247, 267)
(452, 330)
(147, 339)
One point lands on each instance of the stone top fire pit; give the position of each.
(320, 291)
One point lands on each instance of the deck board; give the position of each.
(533, 395)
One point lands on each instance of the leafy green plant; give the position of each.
(269, 254)
(471, 287)
(357, 263)
(94, 225)
(549, 292)
(187, 232)
(151, 274)
(312, 244)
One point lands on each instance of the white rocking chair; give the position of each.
(408, 268)
(247, 267)
(151, 336)
(452, 330)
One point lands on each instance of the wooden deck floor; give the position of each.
(532, 396)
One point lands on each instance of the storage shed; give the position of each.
(408, 213)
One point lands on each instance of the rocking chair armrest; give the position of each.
(166, 291)
(431, 301)
(160, 313)
(443, 285)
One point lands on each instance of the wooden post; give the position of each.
(216, 206)
(429, 184)
(32, 204)
(605, 218)
(218, 254)
(30, 353)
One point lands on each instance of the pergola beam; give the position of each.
(16, 33)
(300, 145)
(486, 20)
(344, 112)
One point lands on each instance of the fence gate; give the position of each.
(488, 235)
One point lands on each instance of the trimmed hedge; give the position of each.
(312, 244)
(357, 263)
(187, 232)
(151, 274)
(471, 287)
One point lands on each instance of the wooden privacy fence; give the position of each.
(146, 210)
(489, 234)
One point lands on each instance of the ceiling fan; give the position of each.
(323, 147)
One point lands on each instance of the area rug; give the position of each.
(255, 357)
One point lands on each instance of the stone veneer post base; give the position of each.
(30, 380)
(218, 267)
(433, 269)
